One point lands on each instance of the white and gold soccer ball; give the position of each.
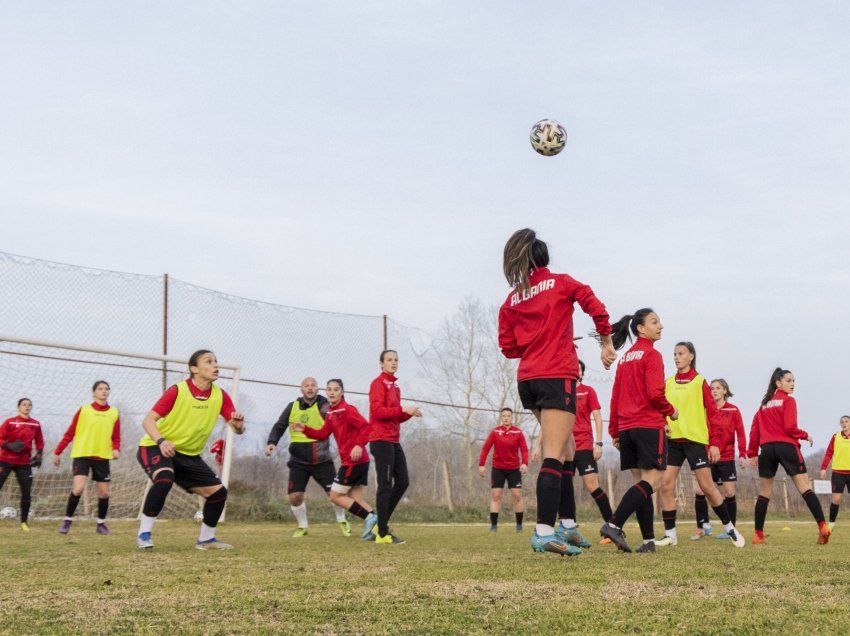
(199, 516)
(548, 137)
(8, 513)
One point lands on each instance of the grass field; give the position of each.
(446, 579)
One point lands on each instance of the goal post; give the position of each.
(58, 377)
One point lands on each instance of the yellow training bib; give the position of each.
(190, 422)
(687, 398)
(93, 437)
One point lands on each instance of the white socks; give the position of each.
(728, 526)
(543, 530)
(568, 523)
(207, 533)
(339, 511)
(672, 534)
(706, 526)
(146, 524)
(300, 513)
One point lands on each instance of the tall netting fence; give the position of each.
(455, 374)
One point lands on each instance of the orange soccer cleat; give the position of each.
(823, 533)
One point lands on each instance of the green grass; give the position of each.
(446, 579)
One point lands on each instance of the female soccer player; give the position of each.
(510, 461)
(838, 452)
(178, 427)
(774, 440)
(695, 427)
(96, 435)
(385, 417)
(17, 436)
(730, 426)
(351, 432)
(536, 326)
(639, 407)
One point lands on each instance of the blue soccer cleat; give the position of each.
(572, 536)
(368, 526)
(551, 543)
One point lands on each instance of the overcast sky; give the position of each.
(374, 157)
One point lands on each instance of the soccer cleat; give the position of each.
(646, 547)
(143, 541)
(823, 534)
(300, 532)
(369, 527)
(616, 535)
(213, 544)
(552, 543)
(345, 528)
(102, 529)
(65, 527)
(494, 528)
(698, 534)
(737, 537)
(722, 535)
(389, 539)
(572, 536)
(667, 541)
(708, 530)
(759, 538)
(24, 526)
(831, 526)
(519, 527)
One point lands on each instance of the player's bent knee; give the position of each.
(337, 490)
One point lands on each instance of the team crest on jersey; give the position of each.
(304, 418)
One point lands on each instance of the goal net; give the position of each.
(58, 378)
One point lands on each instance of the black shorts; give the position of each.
(840, 482)
(348, 477)
(584, 462)
(498, 477)
(643, 448)
(774, 453)
(694, 452)
(190, 471)
(724, 471)
(99, 468)
(548, 393)
(299, 475)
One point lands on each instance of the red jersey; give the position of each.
(729, 426)
(385, 412)
(68, 437)
(20, 429)
(711, 412)
(509, 444)
(586, 403)
(166, 402)
(830, 451)
(638, 398)
(776, 421)
(349, 429)
(537, 325)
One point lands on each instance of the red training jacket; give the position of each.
(638, 398)
(506, 442)
(385, 412)
(349, 429)
(537, 325)
(730, 425)
(586, 403)
(20, 429)
(776, 421)
(68, 437)
(830, 451)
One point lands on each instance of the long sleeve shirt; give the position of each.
(68, 437)
(20, 429)
(385, 412)
(349, 429)
(510, 449)
(586, 403)
(776, 421)
(638, 397)
(830, 451)
(730, 425)
(536, 326)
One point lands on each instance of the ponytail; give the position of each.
(777, 375)
(523, 252)
(620, 329)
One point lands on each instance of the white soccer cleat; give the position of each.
(143, 541)
(736, 537)
(213, 544)
(667, 541)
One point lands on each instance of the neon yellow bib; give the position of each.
(687, 398)
(310, 416)
(190, 422)
(93, 437)
(841, 453)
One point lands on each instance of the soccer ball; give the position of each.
(548, 137)
(8, 513)
(199, 516)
